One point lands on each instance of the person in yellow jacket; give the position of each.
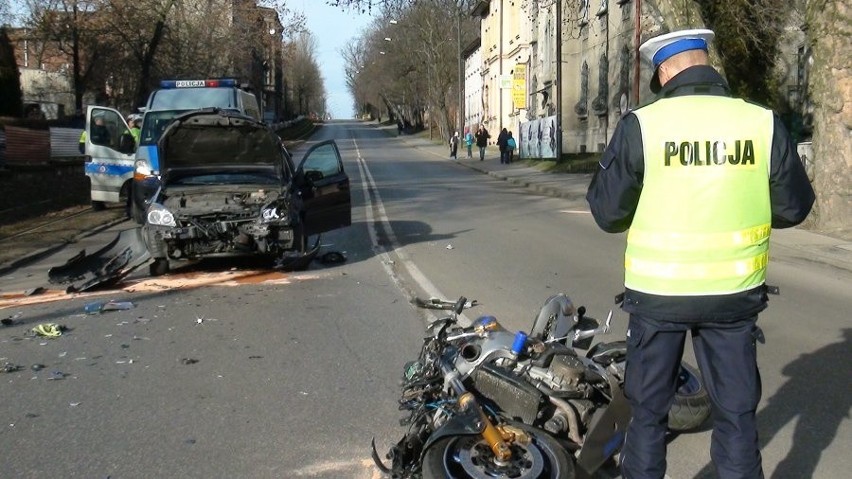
(699, 179)
(133, 121)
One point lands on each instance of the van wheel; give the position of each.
(98, 205)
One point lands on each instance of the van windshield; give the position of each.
(155, 123)
(193, 99)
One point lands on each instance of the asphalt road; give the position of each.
(226, 370)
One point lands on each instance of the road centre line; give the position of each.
(373, 199)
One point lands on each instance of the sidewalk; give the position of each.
(830, 250)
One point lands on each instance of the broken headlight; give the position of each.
(158, 215)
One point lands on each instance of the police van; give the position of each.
(117, 168)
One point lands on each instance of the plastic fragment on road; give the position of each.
(100, 306)
(105, 267)
(449, 246)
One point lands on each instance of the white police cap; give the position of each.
(659, 49)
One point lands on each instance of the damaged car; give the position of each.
(228, 187)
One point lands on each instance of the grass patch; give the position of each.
(570, 163)
(299, 130)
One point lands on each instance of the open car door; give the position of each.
(109, 147)
(324, 189)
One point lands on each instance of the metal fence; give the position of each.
(28, 146)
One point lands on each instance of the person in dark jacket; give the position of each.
(699, 178)
(482, 137)
(502, 145)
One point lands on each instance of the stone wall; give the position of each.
(33, 190)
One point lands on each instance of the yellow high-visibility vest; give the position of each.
(704, 216)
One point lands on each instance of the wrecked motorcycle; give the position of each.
(485, 402)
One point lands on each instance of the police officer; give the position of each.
(133, 123)
(699, 178)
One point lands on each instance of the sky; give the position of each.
(333, 28)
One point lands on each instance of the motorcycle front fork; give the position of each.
(494, 437)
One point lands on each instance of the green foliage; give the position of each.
(10, 83)
(748, 34)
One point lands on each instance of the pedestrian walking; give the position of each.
(699, 196)
(482, 137)
(468, 141)
(454, 146)
(501, 144)
(510, 147)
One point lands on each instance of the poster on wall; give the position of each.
(538, 138)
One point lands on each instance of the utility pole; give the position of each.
(461, 77)
(558, 131)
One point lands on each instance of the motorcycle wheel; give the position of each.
(691, 406)
(470, 457)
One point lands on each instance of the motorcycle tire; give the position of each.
(691, 406)
(470, 457)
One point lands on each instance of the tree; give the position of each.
(748, 38)
(72, 27)
(304, 77)
(10, 83)
(407, 62)
(829, 30)
(137, 28)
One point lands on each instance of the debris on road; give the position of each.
(10, 320)
(10, 368)
(105, 267)
(100, 306)
(57, 375)
(188, 360)
(48, 330)
(436, 303)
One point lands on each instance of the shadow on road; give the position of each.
(817, 406)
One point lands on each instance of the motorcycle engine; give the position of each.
(567, 371)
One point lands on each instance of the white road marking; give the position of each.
(373, 200)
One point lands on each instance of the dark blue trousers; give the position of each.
(727, 358)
